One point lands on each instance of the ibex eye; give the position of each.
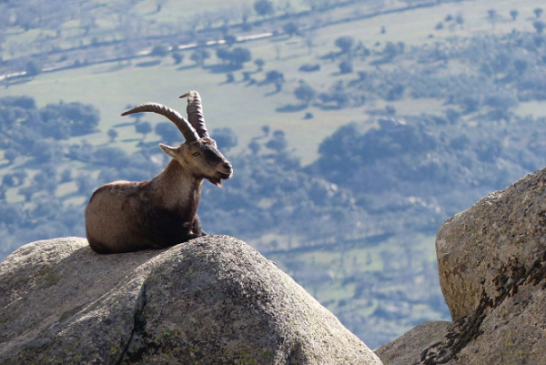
(196, 154)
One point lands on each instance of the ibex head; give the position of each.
(199, 155)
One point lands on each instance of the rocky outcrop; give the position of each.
(492, 267)
(213, 300)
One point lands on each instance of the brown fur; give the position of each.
(125, 216)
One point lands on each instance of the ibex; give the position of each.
(125, 216)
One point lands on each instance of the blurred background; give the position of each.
(355, 127)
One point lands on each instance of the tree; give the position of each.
(345, 67)
(305, 93)
(230, 39)
(264, 8)
(345, 43)
(459, 19)
(225, 138)
(112, 134)
(278, 142)
(177, 57)
(259, 63)
(199, 56)
(514, 14)
(254, 147)
(168, 132)
(160, 50)
(33, 68)
(492, 17)
(539, 26)
(538, 12)
(143, 128)
(236, 57)
(291, 28)
(390, 51)
(273, 76)
(223, 54)
(240, 55)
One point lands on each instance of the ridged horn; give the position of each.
(195, 113)
(183, 125)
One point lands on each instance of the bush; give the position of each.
(309, 67)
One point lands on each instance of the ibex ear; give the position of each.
(169, 151)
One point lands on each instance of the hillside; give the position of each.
(362, 128)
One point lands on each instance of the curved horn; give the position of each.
(187, 130)
(195, 113)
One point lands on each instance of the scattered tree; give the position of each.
(291, 28)
(345, 67)
(459, 19)
(177, 57)
(143, 128)
(538, 12)
(254, 147)
(305, 93)
(168, 132)
(274, 76)
(236, 57)
(230, 39)
(309, 67)
(277, 142)
(514, 14)
(160, 50)
(492, 14)
(260, 64)
(264, 8)
(240, 55)
(33, 68)
(199, 56)
(539, 26)
(345, 43)
(112, 134)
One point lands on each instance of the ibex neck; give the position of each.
(178, 188)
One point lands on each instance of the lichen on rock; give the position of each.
(492, 267)
(213, 300)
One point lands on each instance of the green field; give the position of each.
(246, 109)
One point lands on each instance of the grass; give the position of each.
(328, 276)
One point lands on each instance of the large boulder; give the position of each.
(213, 300)
(492, 266)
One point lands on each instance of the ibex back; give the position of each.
(125, 216)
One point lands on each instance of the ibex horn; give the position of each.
(195, 113)
(186, 128)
